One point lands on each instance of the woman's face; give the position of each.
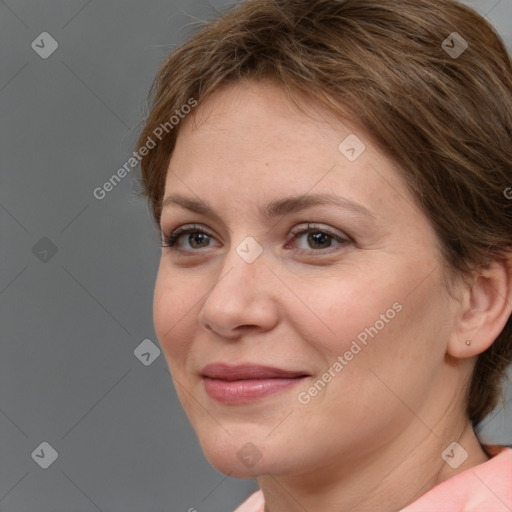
(327, 346)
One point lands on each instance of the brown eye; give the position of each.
(197, 238)
(318, 239)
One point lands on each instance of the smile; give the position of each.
(237, 385)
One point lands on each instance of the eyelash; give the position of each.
(170, 240)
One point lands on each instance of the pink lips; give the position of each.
(243, 384)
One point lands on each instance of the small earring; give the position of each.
(468, 342)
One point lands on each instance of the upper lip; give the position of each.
(224, 371)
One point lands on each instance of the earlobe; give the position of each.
(484, 312)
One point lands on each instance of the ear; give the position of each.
(485, 309)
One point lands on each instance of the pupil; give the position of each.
(193, 238)
(318, 238)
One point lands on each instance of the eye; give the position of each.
(198, 238)
(318, 239)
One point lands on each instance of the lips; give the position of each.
(242, 384)
(227, 372)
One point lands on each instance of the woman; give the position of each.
(334, 295)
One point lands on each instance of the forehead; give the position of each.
(252, 137)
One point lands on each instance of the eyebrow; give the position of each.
(275, 208)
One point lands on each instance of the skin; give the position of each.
(372, 438)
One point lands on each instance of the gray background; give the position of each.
(70, 321)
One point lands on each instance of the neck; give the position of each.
(399, 474)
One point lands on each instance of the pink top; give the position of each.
(483, 488)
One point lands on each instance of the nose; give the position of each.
(240, 298)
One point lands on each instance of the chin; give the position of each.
(246, 461)
(239, 456)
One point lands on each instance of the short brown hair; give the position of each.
(445, 120)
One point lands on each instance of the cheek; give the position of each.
(374, 350)
(172, 303)
(343, 310)
(391, 340)
(376, 325)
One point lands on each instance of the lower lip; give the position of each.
(245, 391)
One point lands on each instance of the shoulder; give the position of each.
(484, 487)
(255, 503)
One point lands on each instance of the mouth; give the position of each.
(242, 384)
